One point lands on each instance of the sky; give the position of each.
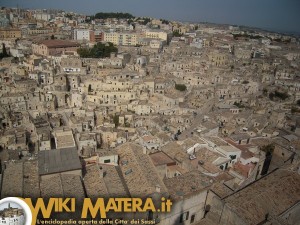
(277, 15)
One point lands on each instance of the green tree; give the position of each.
(278, 95)
(103, 15)
(69, 16)
(100, 50)
(163, 21)
(144, 21)
(4, 53)
(88, 19)
(269, 149)
(239, 105)
(281, 95)
(176, 34)
(130, 21)
(84, 52)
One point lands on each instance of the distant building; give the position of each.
(72, 65)
(54, 47)
(43, 16)
(96, 36)
(127, 39)
(81, 34)
(158, 34)
(266, 201)
(12, 216)
(10, 33)
(4, 22)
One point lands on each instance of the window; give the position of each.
(233, 157)
(106, 160)
(193, 218)
(184, 216)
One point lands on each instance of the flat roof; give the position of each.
(230, 148)
(64, 139)
(216, 140)
(57, 161)
(161, 158)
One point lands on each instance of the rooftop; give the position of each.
(221, 190)
(94, 184)
(187, 184)
(62, 185)
(57, 161)
(246, 154)
(64, 139)
(230, 148)
(244, 169)
(175, 151)
(58, 43)
(138, 170)
(161, 158)
(21, 179)
(205, 158)
(272, 195)
(12, 180)
(216, 140)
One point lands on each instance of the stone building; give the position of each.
(13, 216)
(53, 47)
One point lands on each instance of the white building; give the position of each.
(14, 220)
(43, 16)
(81, 34)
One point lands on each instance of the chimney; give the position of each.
(101, 172)
(113, 55)
(157, 188)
